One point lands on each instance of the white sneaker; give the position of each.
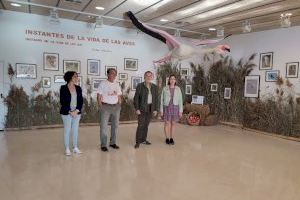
(68, 152)
(76, 150)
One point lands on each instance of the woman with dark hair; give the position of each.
(71, 103)
(171, 107)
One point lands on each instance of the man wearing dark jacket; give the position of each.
(145, 104)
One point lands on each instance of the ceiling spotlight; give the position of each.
(220, 31)
(285, 20)
(15, 4)
(53, 18)
(212, 29)
(99, 8)
(164, 20)
(246, 26)
(177, 33)
(99, 22)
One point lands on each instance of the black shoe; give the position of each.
(137, 145)
(114, 146)
(104, 149)
(167, 141)
(172, 141)
(146, 142)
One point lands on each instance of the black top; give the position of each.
(141, 98)
(65, 99)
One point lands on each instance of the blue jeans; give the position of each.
(70, 123)
(105, 113)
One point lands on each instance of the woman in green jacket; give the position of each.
(171, 107)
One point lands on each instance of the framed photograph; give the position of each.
(292, 69)
(96, 82)
(123, 76)
(79, 83)
(93, 67)
(109, 67)
(184, 72)
(59, 79)
(266, 61)
(131, 64)
(251, 86)
(25, 70)
(46, 82)
(188, 89)
(214, 87)
(51, 61)
(271, 76)
(188, 80)
(227, 93)
(72, 65)
(135, 80)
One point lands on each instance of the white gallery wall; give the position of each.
(23, 40)
(283, 42)
(111, 45)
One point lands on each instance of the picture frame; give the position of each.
(292, 69)
(109, 67)
(266, 61)
(130, 64)
(46, 82)
(51, 61)
(135, 80)
(252, 84)
(59, 79)
(96, 82)
(272, 75)
(184, 72)
(188, 89)
(227, 93)
(214, 87)
(123, 76)
(93, 67)
(26, 71)
(188, 80)
(72, 65)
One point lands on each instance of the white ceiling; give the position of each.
(191, 15)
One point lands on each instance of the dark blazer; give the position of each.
(141, 98)
(65, 99)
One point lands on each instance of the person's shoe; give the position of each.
(172, 141)
(76, 150)
(105, 149)
(137, 145)
(114, 146)
(67, 152)
(167, 141)
(146, 142)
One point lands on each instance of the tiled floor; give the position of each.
(209, 163)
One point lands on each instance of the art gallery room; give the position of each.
(149, 99)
